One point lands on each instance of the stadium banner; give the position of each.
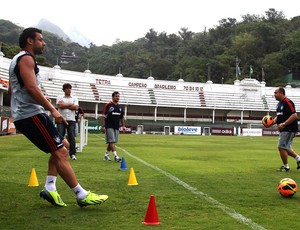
(270, 132)
(273, 132)
(191, 130)
(222, 131)
(4, 125)
(128, 130)
(94, 127)
(145, 83)
(251, 132)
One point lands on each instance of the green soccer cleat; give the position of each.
(92, 199)
(52, 197)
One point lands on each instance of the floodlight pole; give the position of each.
(237, 72)
(208, 71)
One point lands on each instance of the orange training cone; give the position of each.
(132, 178)
(151, 217)
(33, 181)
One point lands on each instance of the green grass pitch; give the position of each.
(199, 182)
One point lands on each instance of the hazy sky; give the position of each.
(105, 21)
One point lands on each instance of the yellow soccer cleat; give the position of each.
(92, 199)
(53, 197)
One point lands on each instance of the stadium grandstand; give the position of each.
(155, 104)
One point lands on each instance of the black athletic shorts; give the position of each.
(40, 130)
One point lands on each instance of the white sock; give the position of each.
(298, 158)
(287, 166)
(107, 153)
(50, 184)
(115, 153)
(80, 192)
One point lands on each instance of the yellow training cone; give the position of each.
(33, 181)
(132, 179)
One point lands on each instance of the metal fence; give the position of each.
(5, 111)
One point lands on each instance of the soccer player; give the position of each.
(112, 115)
(287, 123)
(28, 106)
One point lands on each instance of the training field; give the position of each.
(199, 182)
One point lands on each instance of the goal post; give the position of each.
(83, 134)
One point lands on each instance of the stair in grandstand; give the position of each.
(202, 98)
(265, 103)
(95, 91)
(152, 96)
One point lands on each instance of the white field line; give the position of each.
(229, 211)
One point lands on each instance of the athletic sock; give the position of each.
(115, 153)
(50, 184)
(298, 158)
(80, 192)
(287, 166)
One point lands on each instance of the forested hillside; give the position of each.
(261, 46)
